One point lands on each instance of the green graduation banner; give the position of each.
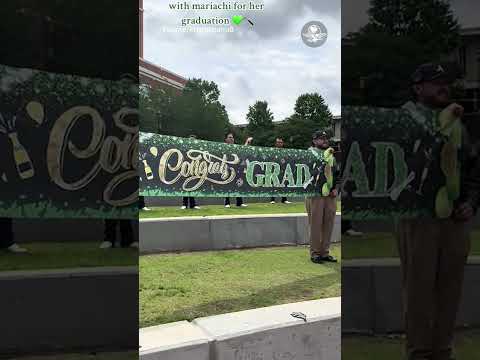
(400, 162)
(172, 166)
(69, 146)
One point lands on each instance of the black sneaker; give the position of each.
(328, 258)
(316, 259)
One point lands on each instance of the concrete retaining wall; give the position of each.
(266, 333)
(371, 296)
(225, 232)
(68, 309)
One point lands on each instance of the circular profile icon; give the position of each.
(314, 34)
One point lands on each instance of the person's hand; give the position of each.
(458, 110)
(455, 110)
(464, 212)
(333, 193)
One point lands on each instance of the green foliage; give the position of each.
(194, 111)
(259, 116)
(197, 110)
(430, 23)
(156, 107)
(312, 107)
(377, 61)
(311, 114)
(260, 124)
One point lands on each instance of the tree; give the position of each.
(312, 108)
(378, 60)
(198, 111)
(260, 124)
(207, 90)
(156, 108)
(259, 116)
(311, 114)
(428, 22)
(194, 111)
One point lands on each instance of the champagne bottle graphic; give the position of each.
(148, 170)
(22, 159)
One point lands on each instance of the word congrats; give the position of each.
(172, 166)
(70, 146)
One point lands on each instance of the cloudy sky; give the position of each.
(354, 13)
(266, 62)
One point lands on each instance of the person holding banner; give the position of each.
(321, 211)
(189, 201)
(141, 204)
(433, 251)
(279, 145)
(6, 237)
(230, 139)
(126, 232)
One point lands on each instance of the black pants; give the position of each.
(346, 225)
(6, 233)
(126, 231)
(187, 200)
(283, 199)
(239, 201)
(141, 202)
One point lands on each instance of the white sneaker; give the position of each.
(16, 249)
(272, 202)
(287, 202)
(197, 207)
(183, 207)
(146, 209)
(134, 245)
(352, 232)
(227, 206)
(244, 205)
(106, 245)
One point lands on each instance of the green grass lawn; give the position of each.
(376, 245)
(185, 286)
(66, 255)
(212, 210)
(130, 355)
(378, 348)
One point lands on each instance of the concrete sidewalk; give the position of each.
(265, 333)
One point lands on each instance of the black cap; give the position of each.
(319, 135)
(432, 71)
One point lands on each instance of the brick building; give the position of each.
(151, 74)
